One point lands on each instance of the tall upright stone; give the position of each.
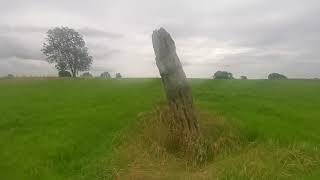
(177, 88)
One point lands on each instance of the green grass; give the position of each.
(283, 110)
(57, 129)
(66, 129)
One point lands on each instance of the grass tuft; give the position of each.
(153, 150)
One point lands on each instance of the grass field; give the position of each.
(68, 129)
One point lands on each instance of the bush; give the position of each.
(276, 76)
(10, 76)
(243, 77)
(64, 74)
(118, 75)
(222, 75)
(105, 75)
(86, 74)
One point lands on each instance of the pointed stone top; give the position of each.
(163, 43)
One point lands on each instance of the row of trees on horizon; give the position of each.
(218, 75)
(66, 48)
(88, 74)
(228, 75)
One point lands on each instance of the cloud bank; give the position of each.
(246, 37)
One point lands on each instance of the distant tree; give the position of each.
(243, 77)
(118, 75)
(10, 76)
(66, 48)
(276, 76)
(64, 73)
(222, 75)
(105, 75)
(86, 74)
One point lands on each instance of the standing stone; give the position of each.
(174, 79)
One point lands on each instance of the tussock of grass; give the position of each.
(159, 130)
(152, 150)
(267, 160)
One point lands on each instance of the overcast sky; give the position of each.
(245, 37)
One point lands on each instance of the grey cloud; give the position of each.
(101, 51)
(21, 29)
(280, 35)
(13, 42)
(86, 31)
(21, 67)
(91, 32)
(105, 54)
(14, 47)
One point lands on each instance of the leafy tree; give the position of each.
(118, 75)
(86, 74)
(276, 76)
(64, 73)
(66, 48)
(222, 75)
(105, 75)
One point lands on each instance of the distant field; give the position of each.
(285, 110)
(65, 129)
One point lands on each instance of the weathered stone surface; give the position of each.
(174, 79)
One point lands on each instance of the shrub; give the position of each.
(105, 75)
(118, 75)
(64, 74)
(243, 77)
(10, 76)
(276, 76)
(222, 75)
(86, 74)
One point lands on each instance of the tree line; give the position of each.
(228, 75)
(67, 49)
(106, 74)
